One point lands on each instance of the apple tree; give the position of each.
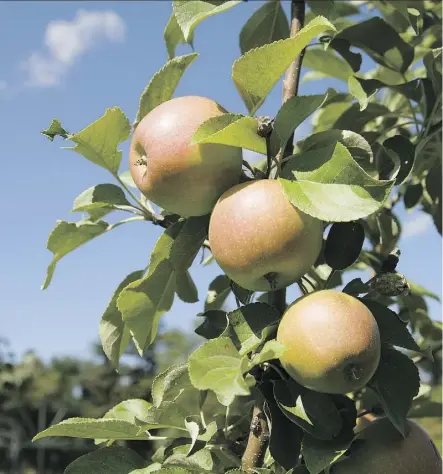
(279, 386)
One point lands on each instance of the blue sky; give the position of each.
(72, 60)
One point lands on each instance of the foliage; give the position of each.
(375, 143)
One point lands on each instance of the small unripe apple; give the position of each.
(259, 239)
(332, 340)
(380, 448)
(183, 178)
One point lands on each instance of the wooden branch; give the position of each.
(259, 431)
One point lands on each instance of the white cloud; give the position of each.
(66, 41)
(416, 226)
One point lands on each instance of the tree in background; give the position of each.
(249, 399)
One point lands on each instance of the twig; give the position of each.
(259, 434)
(257, 441)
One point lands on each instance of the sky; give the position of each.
(72, 60)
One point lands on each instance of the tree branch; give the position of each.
(259, 432)
(257, 441)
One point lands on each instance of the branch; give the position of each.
(257, 441)
(259, 432)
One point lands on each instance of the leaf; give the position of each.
(92, 428)
(405, 150)
(381, 42)
(66, 237)
(127, 179)
(327, 63)
(256, 72)
(214, 325)
(218, 291)
(271, 350)
(322, 7)
(167, 415)
(188, 242)
(392, 329)
(355, 120)
(396, 383)
(358, 92)
(331, 186)
(129, 410)
(356, 144)
(144, 301)
(99, 200)
(314, 412)
(285, 436)
(189, 13)
(105, 460)
(412, 195)
(356, 287)
(267, 24)
(112, 327)
(55, 129)
(252, 323)
(231, 129)
(343, 244)
(417, 289)
(163, 246)
(319, 454)
(163, 84)
(291, 115)
(217, 365)
(98, 141)
(168, 385)
(185, 287)
(240, 294)
(173, 36)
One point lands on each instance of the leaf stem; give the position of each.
(143, 209)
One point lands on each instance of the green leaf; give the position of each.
(214, 325)
(163, 246)
(331, 186)
(218, 291)
(381, 42)
(126, 177)
(256, 72)
(355, 120)
(188, 242)
(66, 237)
(417, 289)
(101, 199)
(319, 454)
(91, 428)
(129, 410)
(356, 89)
(217, 365)
(322, 7)
(343, 244)
(113, 334)
(105, 460)
(189, 13)
(396, 383)
(285, 437)
(144, 301)
(314, 412)
(267, 24)
(169, 385)
(413, 195)
(291, 115)
(167, 415)
(356, 287)
(173, 36)
(185, 287)
(55, 129)
(356, 144)
(327, 63)
(98, 142)
(163, 84)
(252, 324)
(392, 329)
(231, 129)
(271, 350)
(405, 151)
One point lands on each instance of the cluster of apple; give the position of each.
(263, 243)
